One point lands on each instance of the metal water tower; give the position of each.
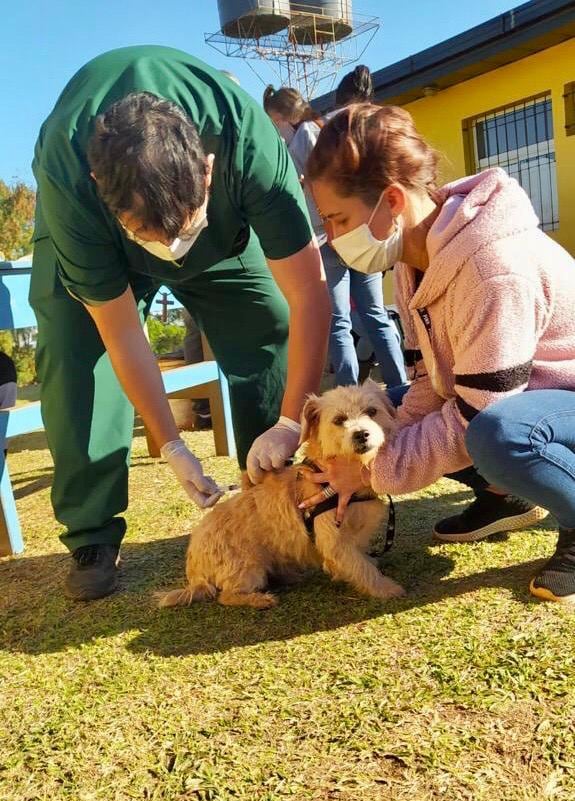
(253, 18)
(304, 42)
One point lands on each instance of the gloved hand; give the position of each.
(202, 489)
(273, 448)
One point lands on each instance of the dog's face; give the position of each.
(348, 421)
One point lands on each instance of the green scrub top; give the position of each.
(254, 183)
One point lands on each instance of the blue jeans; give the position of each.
(367, 293)
(525, 445)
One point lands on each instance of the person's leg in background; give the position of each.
(526, 445)
(193, 350)
(367, 293)
(491, 512)
(245, 317)
(8, 388)
(363, 347)
(341, 345)
(89, 427)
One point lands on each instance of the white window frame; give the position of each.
(532, 163)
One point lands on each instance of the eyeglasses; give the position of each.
(130, 234)
(185, 233)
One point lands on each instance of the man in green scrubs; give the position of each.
(155, 169)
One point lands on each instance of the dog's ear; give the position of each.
(309, 417)
(379, 392)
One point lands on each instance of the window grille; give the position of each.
(519, 138)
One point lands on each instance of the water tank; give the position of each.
(251, 19)
(317, 21)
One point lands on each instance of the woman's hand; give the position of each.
(343, 476)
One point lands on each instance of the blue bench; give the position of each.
(204, 380)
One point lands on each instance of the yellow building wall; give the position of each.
(439, 119)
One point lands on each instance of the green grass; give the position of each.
(464, 691)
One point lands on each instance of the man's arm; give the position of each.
(302, 281)
(274, 205)
(119, 325)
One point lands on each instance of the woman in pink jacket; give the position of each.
(488, 305)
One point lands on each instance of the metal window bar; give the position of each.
(519, 139)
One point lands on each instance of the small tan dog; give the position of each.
(260, 533)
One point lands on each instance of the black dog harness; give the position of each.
(309, 515)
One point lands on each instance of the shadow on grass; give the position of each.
(36, 441)
(36, 618)
(28, 482)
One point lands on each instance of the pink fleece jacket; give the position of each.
(492, 315)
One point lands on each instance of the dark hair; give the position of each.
(365, 148)
(355, 87)
(147, 158)
(289, 103)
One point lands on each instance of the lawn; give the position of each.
(463, 691)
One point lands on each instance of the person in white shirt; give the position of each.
(300, 125)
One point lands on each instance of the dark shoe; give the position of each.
(488, 514)
(556, 579)
(94, 572)
(203, 422)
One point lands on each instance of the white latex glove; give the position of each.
(273, 448)
(202, 489)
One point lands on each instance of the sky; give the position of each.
(44, 42)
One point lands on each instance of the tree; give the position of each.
(17, 204)
(165, 337)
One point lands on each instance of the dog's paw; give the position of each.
(390, 589)
(264, 600)
(173, 598)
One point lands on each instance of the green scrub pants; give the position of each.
(89, 420)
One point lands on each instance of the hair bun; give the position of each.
(361, 72)
(355, 87)
(362, 81)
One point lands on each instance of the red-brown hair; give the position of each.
(365, 148)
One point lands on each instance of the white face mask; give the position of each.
(363, 252)
(181, 245)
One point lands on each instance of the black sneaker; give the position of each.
(203, 421)
(94, 572)
(488, 514)
(556, 579)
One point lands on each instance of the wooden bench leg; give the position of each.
(218, 394)
(11, 541)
